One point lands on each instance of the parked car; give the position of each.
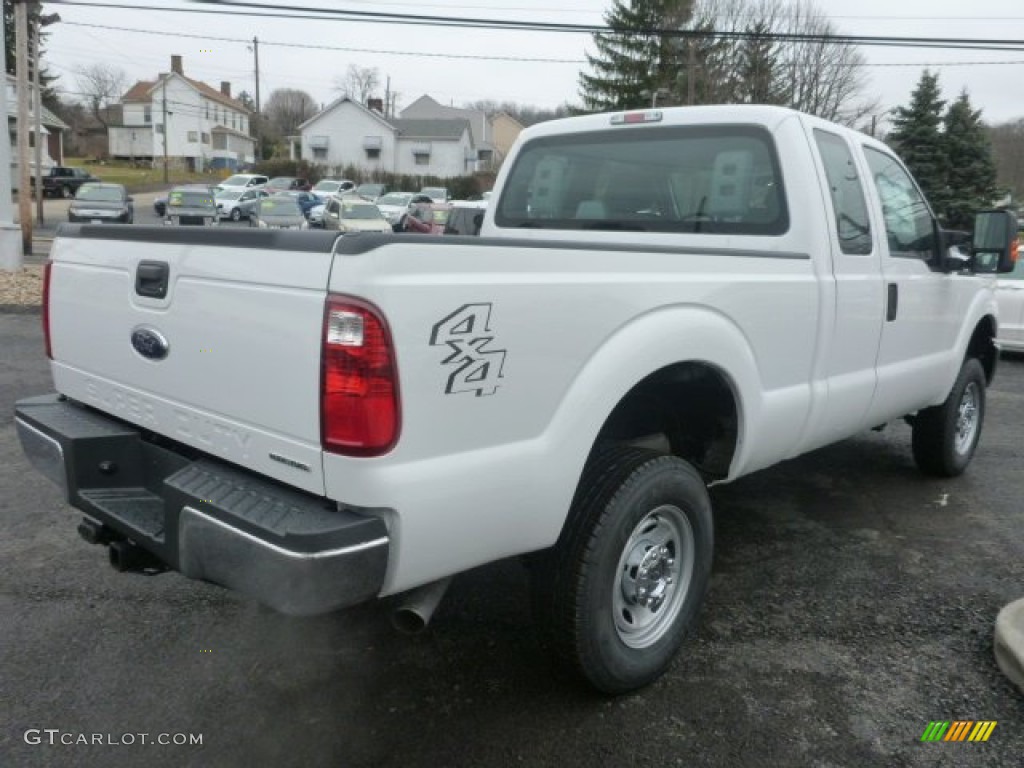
(238, 204)
(191, 207)
(244, 181)
(371, 191)
(64, 181)
(307, 201)
(437, 194)
(395, 206)
(465, 218)
(427, 218)
(287, 184)
(99, 203)
(353, 214)
(160, 203)
(278, 212)
(327, 187)
(315, 217)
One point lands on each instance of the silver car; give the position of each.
(238, 204)
(278, 212)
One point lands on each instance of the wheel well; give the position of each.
(686, 409)
(983, 347)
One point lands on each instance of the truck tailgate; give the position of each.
(227, 360)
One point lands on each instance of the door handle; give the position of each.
(151, 278)
(893, 303)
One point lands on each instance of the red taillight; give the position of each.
(359, 406)
(46, 308)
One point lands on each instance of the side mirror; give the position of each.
(995, 244)
(131, 199)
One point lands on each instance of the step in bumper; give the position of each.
(297, 553)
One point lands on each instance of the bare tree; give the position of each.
(99, 86)
(359, 83)
(1008, 150)
(287, 109)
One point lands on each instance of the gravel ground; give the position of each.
(23, 288)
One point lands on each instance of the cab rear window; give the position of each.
(707, 179)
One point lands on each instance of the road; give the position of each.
(852, 603)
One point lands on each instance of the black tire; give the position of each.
(236, 214)
(588, 591)
(66, 192)
(946, 436)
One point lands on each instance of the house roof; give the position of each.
(451, 130)
(337, 103)
(142, 91)
(231, 131)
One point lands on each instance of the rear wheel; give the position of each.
(946, 436)
(618, 592)
(66, 192)
(236, 214)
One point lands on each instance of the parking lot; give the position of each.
(55, 211)
(852, 603)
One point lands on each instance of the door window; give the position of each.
(852, 224)
(909, 226)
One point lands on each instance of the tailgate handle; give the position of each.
(151, 279)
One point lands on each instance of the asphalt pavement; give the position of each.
(852, 604)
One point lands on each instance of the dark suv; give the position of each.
(62, 181)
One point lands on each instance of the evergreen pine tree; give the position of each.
(759, 77)
(917, 136)
(972, 172)
(633, 61)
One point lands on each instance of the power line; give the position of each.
(380, 17)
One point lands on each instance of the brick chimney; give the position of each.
(377, 105)
(225, 88)
(176, 65)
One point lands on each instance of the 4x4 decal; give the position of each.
(476, 367)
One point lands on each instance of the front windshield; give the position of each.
(229, 194)
(327, 186)
(280, 206)
(186, 198)
(395, 199)
(356, 211)
(235, 181)
(434, 192)
(100, 194)
(280, 181)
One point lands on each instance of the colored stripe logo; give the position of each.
(958, 730)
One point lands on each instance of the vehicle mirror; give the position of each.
(995, 243)
(131, 199)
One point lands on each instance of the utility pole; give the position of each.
(164, 111)
(691, 71)
(24, 179)
(256, 117)
(37, 107)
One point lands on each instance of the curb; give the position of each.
(20, 309)
(1009, 642)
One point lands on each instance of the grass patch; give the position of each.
(120, 172)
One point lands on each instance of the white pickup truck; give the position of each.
(660, 300)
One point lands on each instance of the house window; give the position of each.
(147, 114)
(373, 154)
(422, 159)
(193, 136)
(206, 138)
(241, 125)
(207, 105)
(233, 120)
(319, 153)
(159, 127)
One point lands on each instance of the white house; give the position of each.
(51, 135)
(204, 128)
(346, 133)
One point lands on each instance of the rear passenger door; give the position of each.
(859, 308)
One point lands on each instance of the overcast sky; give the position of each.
(424, 60)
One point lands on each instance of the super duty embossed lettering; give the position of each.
(215, 436)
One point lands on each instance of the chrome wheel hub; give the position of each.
(967, 418)
(653, 577)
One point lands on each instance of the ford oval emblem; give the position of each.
(150, 343)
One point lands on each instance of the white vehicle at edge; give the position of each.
(661, 300)
(244, 181)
